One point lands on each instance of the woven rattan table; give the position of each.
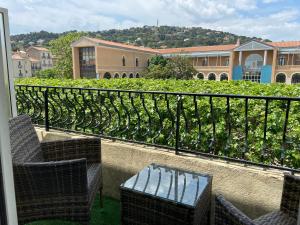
(159, 195)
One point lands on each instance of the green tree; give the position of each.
(181, 68)
(158, 60)
(158, 72)
(61, 49)
(174, 68)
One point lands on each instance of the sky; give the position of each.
(270, 19)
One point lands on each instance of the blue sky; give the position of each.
(273, 19)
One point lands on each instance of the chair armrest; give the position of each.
(228, 214)
(290, 200)
(88, 148)
(48, 180)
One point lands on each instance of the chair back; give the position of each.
(291, 195)
(25, 145)
(228, 214)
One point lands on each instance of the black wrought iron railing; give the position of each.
(256, 130)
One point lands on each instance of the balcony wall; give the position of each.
(253, 190)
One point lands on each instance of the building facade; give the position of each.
(27, 63)
(21, 65)
(254, 61)
(40, 57)
(95, 58)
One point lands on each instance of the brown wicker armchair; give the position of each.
(227, 214)
(56, 179)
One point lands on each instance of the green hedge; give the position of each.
(189, 134)
(193, 86)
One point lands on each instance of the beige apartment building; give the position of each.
(27, 63)
(95, 58)
(41, 58)
(254, 61)
(21, 65)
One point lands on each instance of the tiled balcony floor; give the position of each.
(109, 215)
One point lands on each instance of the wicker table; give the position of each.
(159, 195)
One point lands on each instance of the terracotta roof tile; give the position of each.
(33, 59)
(17, 56)
(40, 48)
(112, 43)
(285, 44)
(197, 49)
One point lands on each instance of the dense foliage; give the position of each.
(62, 50)
(191, 86)
(152, 117)
(21, 41)
(179, 68)
(150, 36)
(48, 73)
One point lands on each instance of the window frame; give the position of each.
(7, 110)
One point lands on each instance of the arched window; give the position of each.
(212, 76)
(254, 62)
(200, 76)
(296, 78)
(124, 75)
(123, 61)
(107, 75)
(131, 75)
(223, 77)
(137, 75)
(280, 78)
(116, 75)
(253, 66)
(136, 62)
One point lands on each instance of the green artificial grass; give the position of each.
(108, 215)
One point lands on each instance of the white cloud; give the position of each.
(237, 16)
(271, 1)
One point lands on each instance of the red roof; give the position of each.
(198, 49)
(17, 56)
(212, 48)
(116, 44)
(285, 44)
(39, 48)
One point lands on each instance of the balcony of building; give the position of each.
(244, 142)
(211, 62)
(288, 62)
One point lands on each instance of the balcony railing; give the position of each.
(255, 130)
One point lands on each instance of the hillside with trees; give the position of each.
(149, 36)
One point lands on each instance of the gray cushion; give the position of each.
(275, 218)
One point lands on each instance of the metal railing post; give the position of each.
(46, 110)
(177, 136)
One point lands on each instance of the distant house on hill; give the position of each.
(27, 63)
(41, 58)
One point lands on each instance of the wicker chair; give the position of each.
(227, 214)
(55, 179)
